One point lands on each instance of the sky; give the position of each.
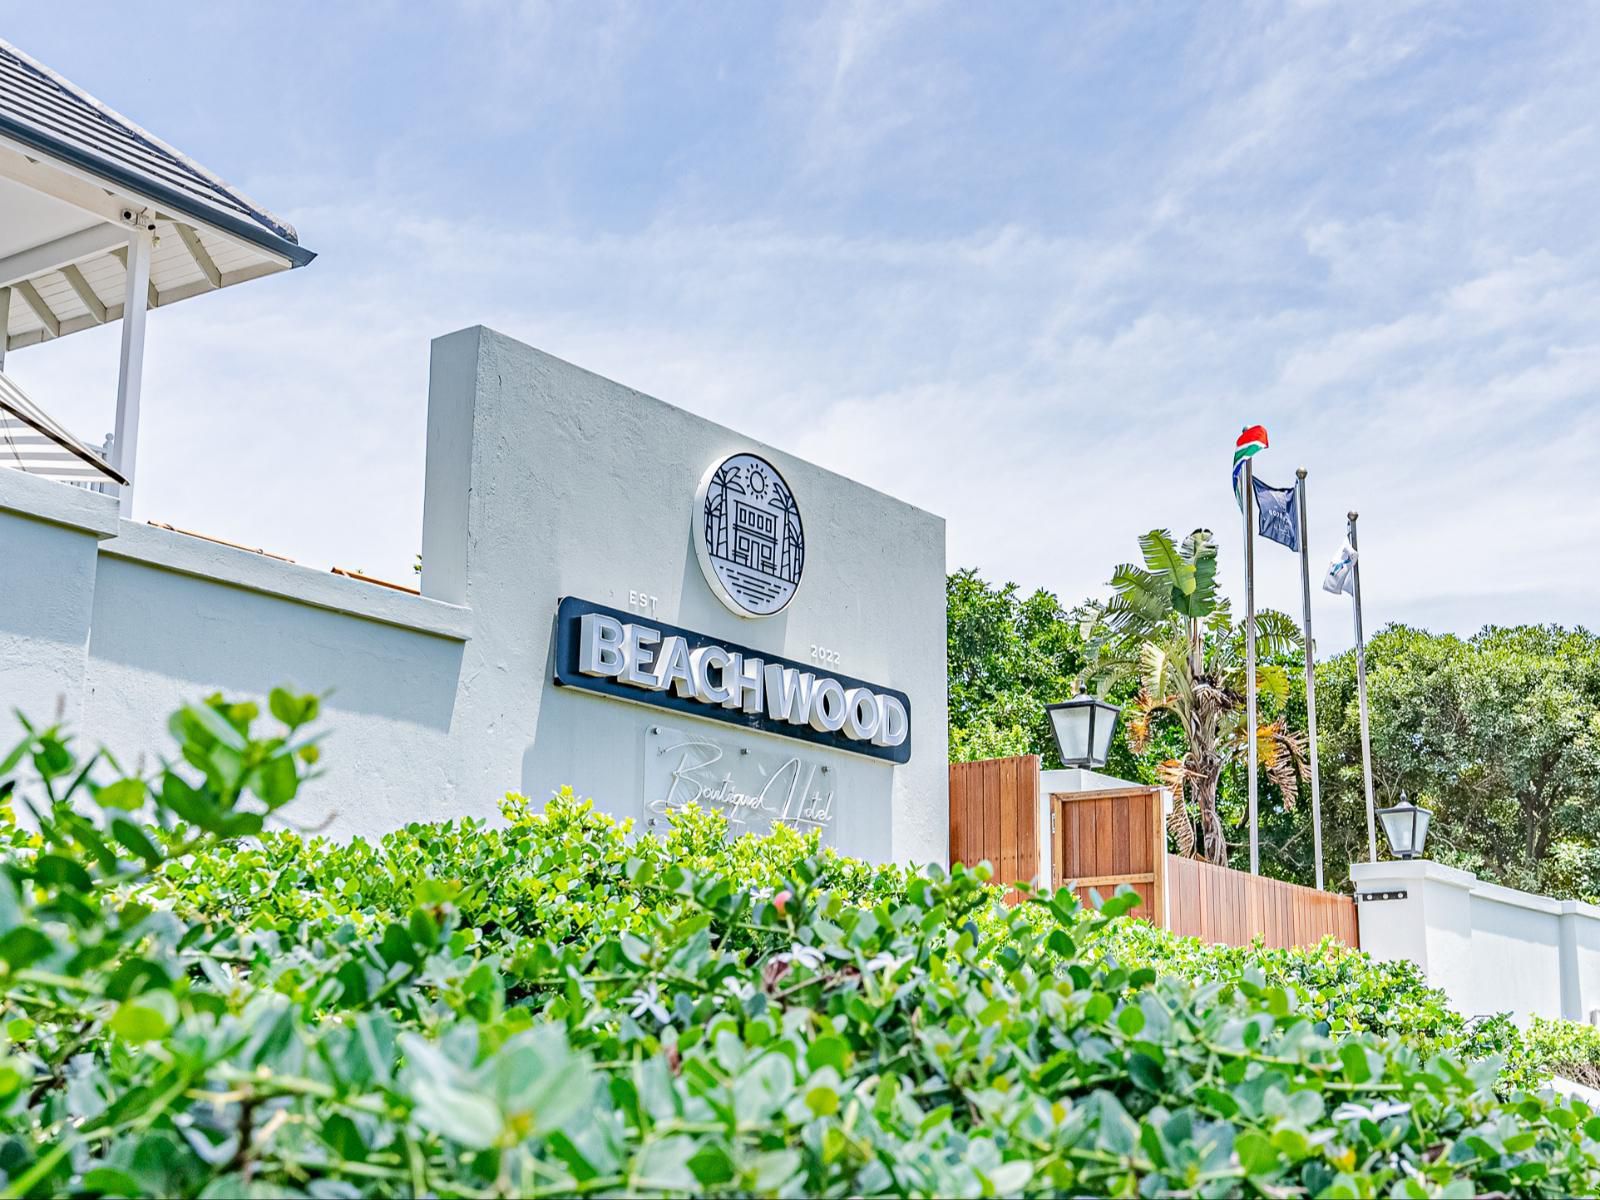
(1029, 266)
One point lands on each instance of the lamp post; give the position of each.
(1406, 827)
(1083, 727)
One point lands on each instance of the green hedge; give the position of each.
(553, 1007)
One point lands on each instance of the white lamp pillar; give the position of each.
(125, 441)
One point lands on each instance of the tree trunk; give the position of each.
(1205, 773)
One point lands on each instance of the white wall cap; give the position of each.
(1504, 895)
(58, 503)
(1079, 779)
(1562, 1086)
(1385, 876)
(1372, 876)
(186, 555)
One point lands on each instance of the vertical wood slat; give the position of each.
(1026, 781)
(1006, 857)
(985, 787)
(1216, 904)
(958, 813)
(994, 814)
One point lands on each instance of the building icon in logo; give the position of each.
(750, 541)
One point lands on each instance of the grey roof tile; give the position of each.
(40, 108)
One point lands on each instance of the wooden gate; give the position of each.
(994, 816)
(1101, 840)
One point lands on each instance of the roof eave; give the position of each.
(172, 201)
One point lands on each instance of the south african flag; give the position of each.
(1251, 442)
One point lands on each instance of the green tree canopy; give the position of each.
(1498, 734)
(1010, 655)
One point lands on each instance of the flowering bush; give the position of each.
(553, 1007)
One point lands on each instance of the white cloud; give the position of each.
(1346, 227)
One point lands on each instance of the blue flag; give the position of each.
(1279, 518)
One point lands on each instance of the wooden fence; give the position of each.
(1100, 840)
(994, 816)
(1216, 904)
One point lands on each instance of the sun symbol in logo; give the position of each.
(758, 482)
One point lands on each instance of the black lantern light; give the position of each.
(1083, 728)
(1406, 827)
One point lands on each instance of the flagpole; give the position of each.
(1361, 693)
(1250, 654)
(1311, 673)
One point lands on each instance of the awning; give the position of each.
(77, 179)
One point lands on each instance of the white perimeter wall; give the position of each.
(1492, 949)
(543, 480)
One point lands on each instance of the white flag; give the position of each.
(1341, 576)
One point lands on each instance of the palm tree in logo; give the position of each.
(716, 515)
(793, 551)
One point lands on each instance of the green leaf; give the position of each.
(664, 1166)
(63, 872)
(1119, 1134)
(277, 780)
(775, 1172)
(145, 1017)
(1164, 559)
(823, 1101)
(1257, 1155)
(829, 1050)
(135, 840)
(294, 711)
(217, 725)
(126, 794)
(23, 946)
(445, 1101)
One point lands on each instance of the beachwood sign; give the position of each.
(606, 650)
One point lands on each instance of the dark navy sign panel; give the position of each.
(568, 638)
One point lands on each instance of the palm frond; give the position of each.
(1276, 633)
(1164, 560)
(1174, 776)
(1202, 551)
(1140, 596)
(1152, 668)
(1282, 754)
(1272, 680)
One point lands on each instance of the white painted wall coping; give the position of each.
(1369, 876)
(57, 503)
(182, 554)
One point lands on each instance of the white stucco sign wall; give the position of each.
(766, 637)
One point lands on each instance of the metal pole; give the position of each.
(1311, 674)
(5, 323)
(1250, 654)
(1361, 693)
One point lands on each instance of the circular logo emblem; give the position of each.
(749, 538)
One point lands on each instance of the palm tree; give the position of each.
(1167, 628)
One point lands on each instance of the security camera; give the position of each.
(141, 218)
